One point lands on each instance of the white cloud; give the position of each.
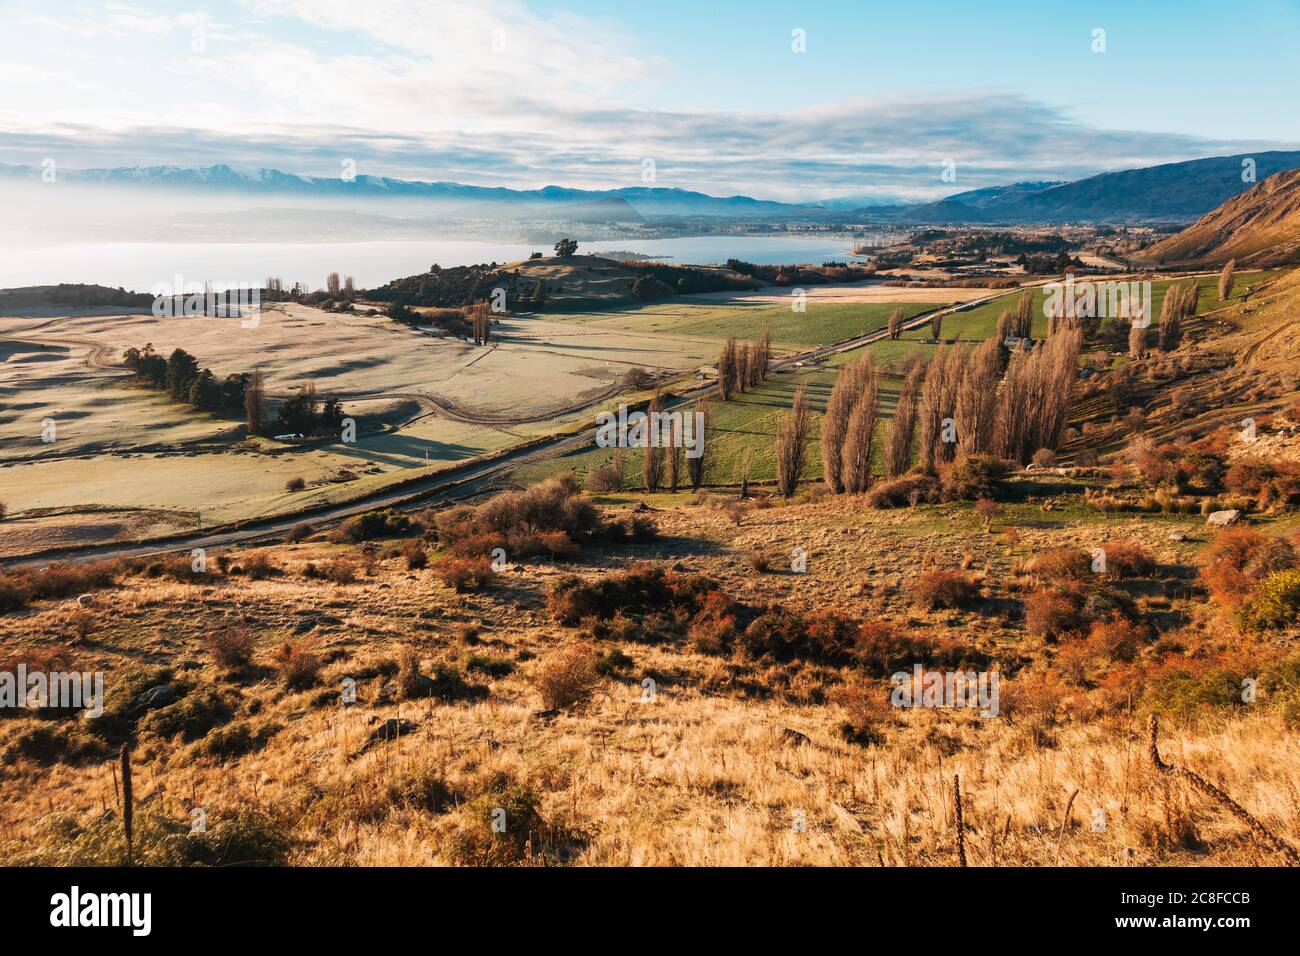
(493, 93)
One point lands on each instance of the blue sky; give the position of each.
(582, 93)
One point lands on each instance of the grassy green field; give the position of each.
(979, 323)
(744, 426)
(821, 324)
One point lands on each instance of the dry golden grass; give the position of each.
(704, 771)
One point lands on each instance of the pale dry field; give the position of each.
(124, 448)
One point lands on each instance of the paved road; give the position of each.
(460, 482)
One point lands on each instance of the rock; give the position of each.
(153, 698)
(794, 737)
(389, 730)
(86, 600)
(1223, 519)
(1177, 536)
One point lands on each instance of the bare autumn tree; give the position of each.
(975, 409)
(480, 317)
(332, 284)
(727, 368)
(1034, 401)
(349, 290)
(1171, 330)
(675, 456)
(764, 356)
(1004, 325)
(1225, 279)
(860, 436)
(902, 430)
(932, 410)
(792, 444)
(695, 465)
(744, 368)
(652, 460)
(255, 404)
(1137, 341)
(939, 395)
(896, 323)
(835, 426)
(1022, 324)
(936, 325)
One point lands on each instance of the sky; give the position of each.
(791, 101)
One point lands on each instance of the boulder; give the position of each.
(1223, 519)
(153, 698)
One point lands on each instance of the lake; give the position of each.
(138, 266)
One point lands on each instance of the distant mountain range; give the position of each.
(1170, 193)
(1259, 227)
(1174, 192)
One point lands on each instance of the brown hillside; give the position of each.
(1259, 227)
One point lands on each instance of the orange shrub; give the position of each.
(1128, 559)
(937, 588)
(568, 677)
(1062, 564)
(465, 574)
(1238, 559)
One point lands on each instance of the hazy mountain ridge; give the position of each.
(1172, 192)
(1258, 227)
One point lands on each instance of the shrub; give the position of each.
(974, 476)
(259, 567)
(295, 484)
(517, 520)
(299, 668)
(1237, 559)
(937, 588)
(759, 561)
(1117, 639)
(477, 843)
(46, 744)
(235, 740)
(244, 837)
(340, 571)
(785, 635)
(415, 555)
(232, 647)
(1128, 559)
(867, 712)
(1054, 613)
(1045, 458)
(904, 491)
(465, 574)
(299, 532)
(604, 480)
(19, 588)
(568, 677)
(1184, 689)
(1061, 564)
(192, 716)
(371, 525)
(1276, 604)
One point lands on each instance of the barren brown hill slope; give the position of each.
(1259, 227)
